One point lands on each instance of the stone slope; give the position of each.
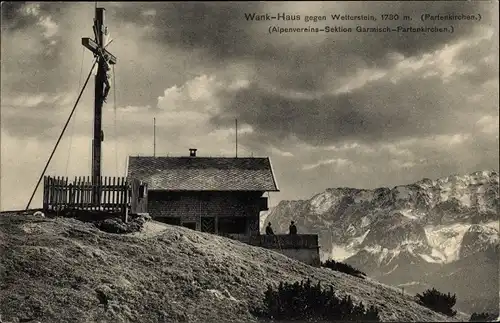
(63, 270)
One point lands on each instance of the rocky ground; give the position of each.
(65, 270)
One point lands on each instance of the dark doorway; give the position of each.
(208, 224)
(189, 225)
(232, 224)
(169, 220)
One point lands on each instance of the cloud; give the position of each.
(399, 102)
(23, 160)
(228, 36)
(489, 124)
(338, 162)
(277, 151)
(149, 12)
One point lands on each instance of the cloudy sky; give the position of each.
(339, 109)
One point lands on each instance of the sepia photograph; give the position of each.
(249, 161)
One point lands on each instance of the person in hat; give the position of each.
(269, 230)
(292, 229)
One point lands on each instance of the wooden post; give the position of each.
(124, 196)
(125, 211)
(97, 47)
(79, 200)
(45, 195)
(106, 190)
(113, 197)
(67, 193)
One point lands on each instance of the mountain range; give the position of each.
(439, 233)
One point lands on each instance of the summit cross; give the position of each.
(104, 60)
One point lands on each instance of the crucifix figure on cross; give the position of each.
(98, 48)
(104, 60)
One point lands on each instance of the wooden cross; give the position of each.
(104, 59)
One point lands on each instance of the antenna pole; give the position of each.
(236, 130)
(154, 137)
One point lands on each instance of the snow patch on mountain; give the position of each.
(409, 213)
(435, 257)
(351, 229)
(386, 255)
(465, 200)
(341, 252)
(359, 240)
(445, 240)
(493, 224)
(365, 221)
(392, 270)
(321, 203)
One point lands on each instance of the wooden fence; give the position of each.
(107, 194)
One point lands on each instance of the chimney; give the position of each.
(192, 152)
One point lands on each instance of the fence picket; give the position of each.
(61, 192)
(53, 193)
(82, 192)
(124, 193)
(112, 197)
(85, 192)
(109, 188)
(117, 193)
(101, 190)
(77, 192)
(49, 193)
(66, 193)
(87, 199)
(105, 190)
(108, 192)
(44, 192)
(56, 192)
(102, 197)
(73, 201)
